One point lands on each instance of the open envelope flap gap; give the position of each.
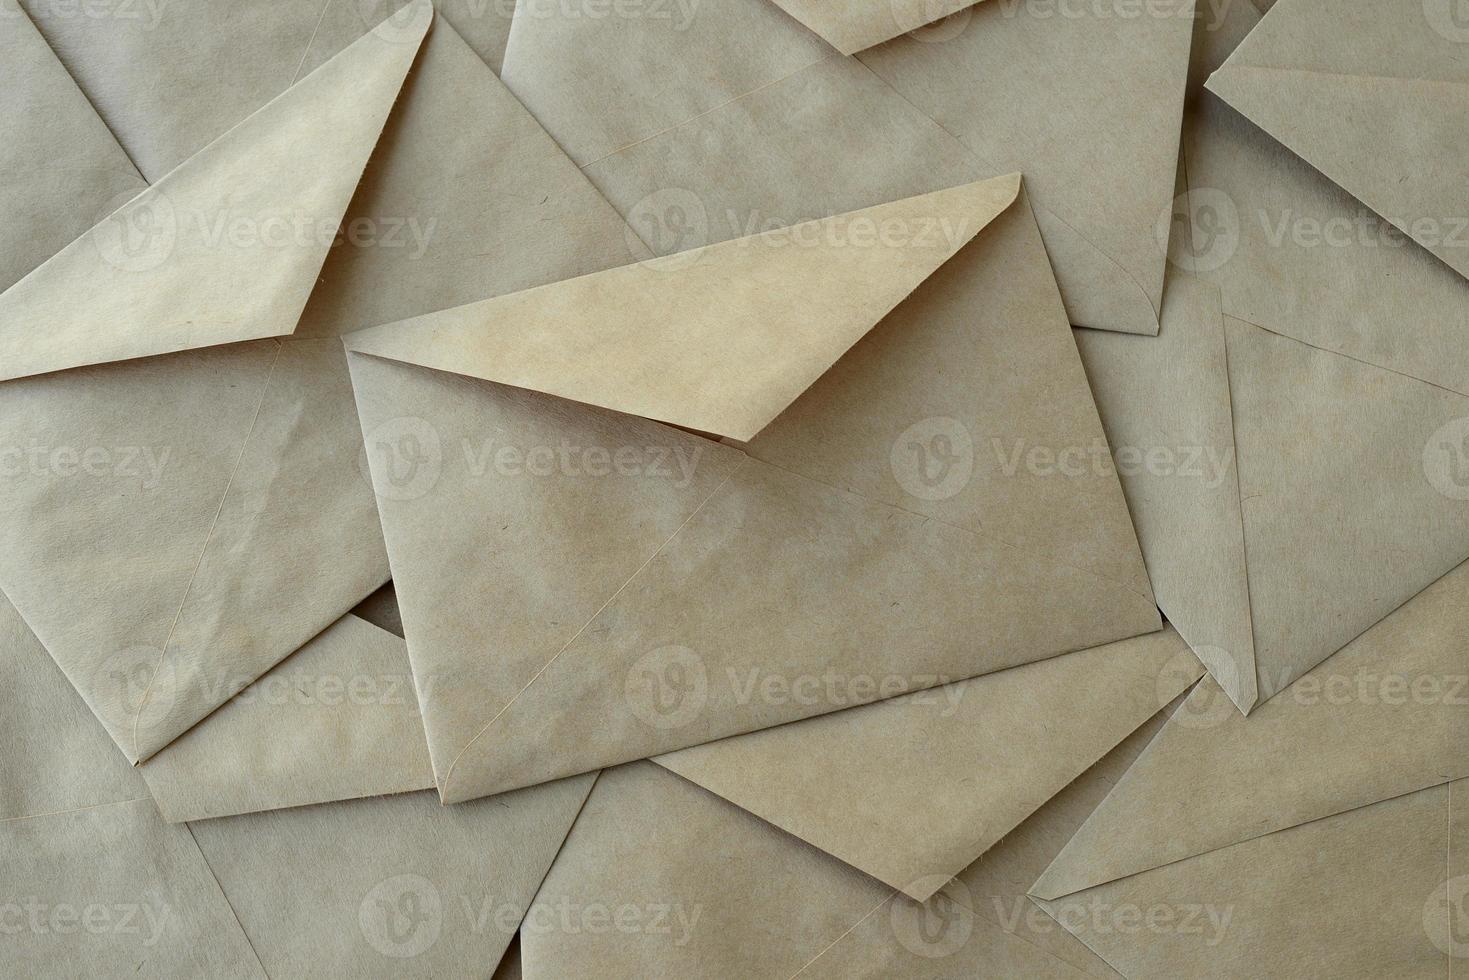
(1382, 718)
(1376, 102)
(207, 255)
(854, 25)
(719, 339)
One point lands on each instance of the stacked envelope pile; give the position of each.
(756, 488)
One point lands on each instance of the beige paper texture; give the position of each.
(768, 129)
(913, 791)
(1396, 70)
(64, 171)
(835, 508)
(113, 891)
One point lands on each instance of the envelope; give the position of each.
(1350, 784)
(1287, 498)
(64, 171)
(1294, 253)
(1086, 106)
(657, 589)
(704, 900)
(138, 543)
(1396, 71)
(304, 455)
(913, 790)
(851, 25)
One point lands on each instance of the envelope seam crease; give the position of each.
(306, 51)
(208, 539)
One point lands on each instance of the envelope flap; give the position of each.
(719, 339)
(852, 25)
(228, 246)
(1399, 82)
(1382, 718)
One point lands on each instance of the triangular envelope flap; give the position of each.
(226, 247)
(63, 170)
(1405, 153)
(1382, 718)
(994, 749)
(719, 339)
(1350, 493)
(853, 25)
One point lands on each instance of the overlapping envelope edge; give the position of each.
(1202, 716)
(1247, 83)
(870, 938)
(1062, 234)
(1332, 853)
(1225, 643)
(735, 768)
(1222, 630)
(106, 783)
(337, 720)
